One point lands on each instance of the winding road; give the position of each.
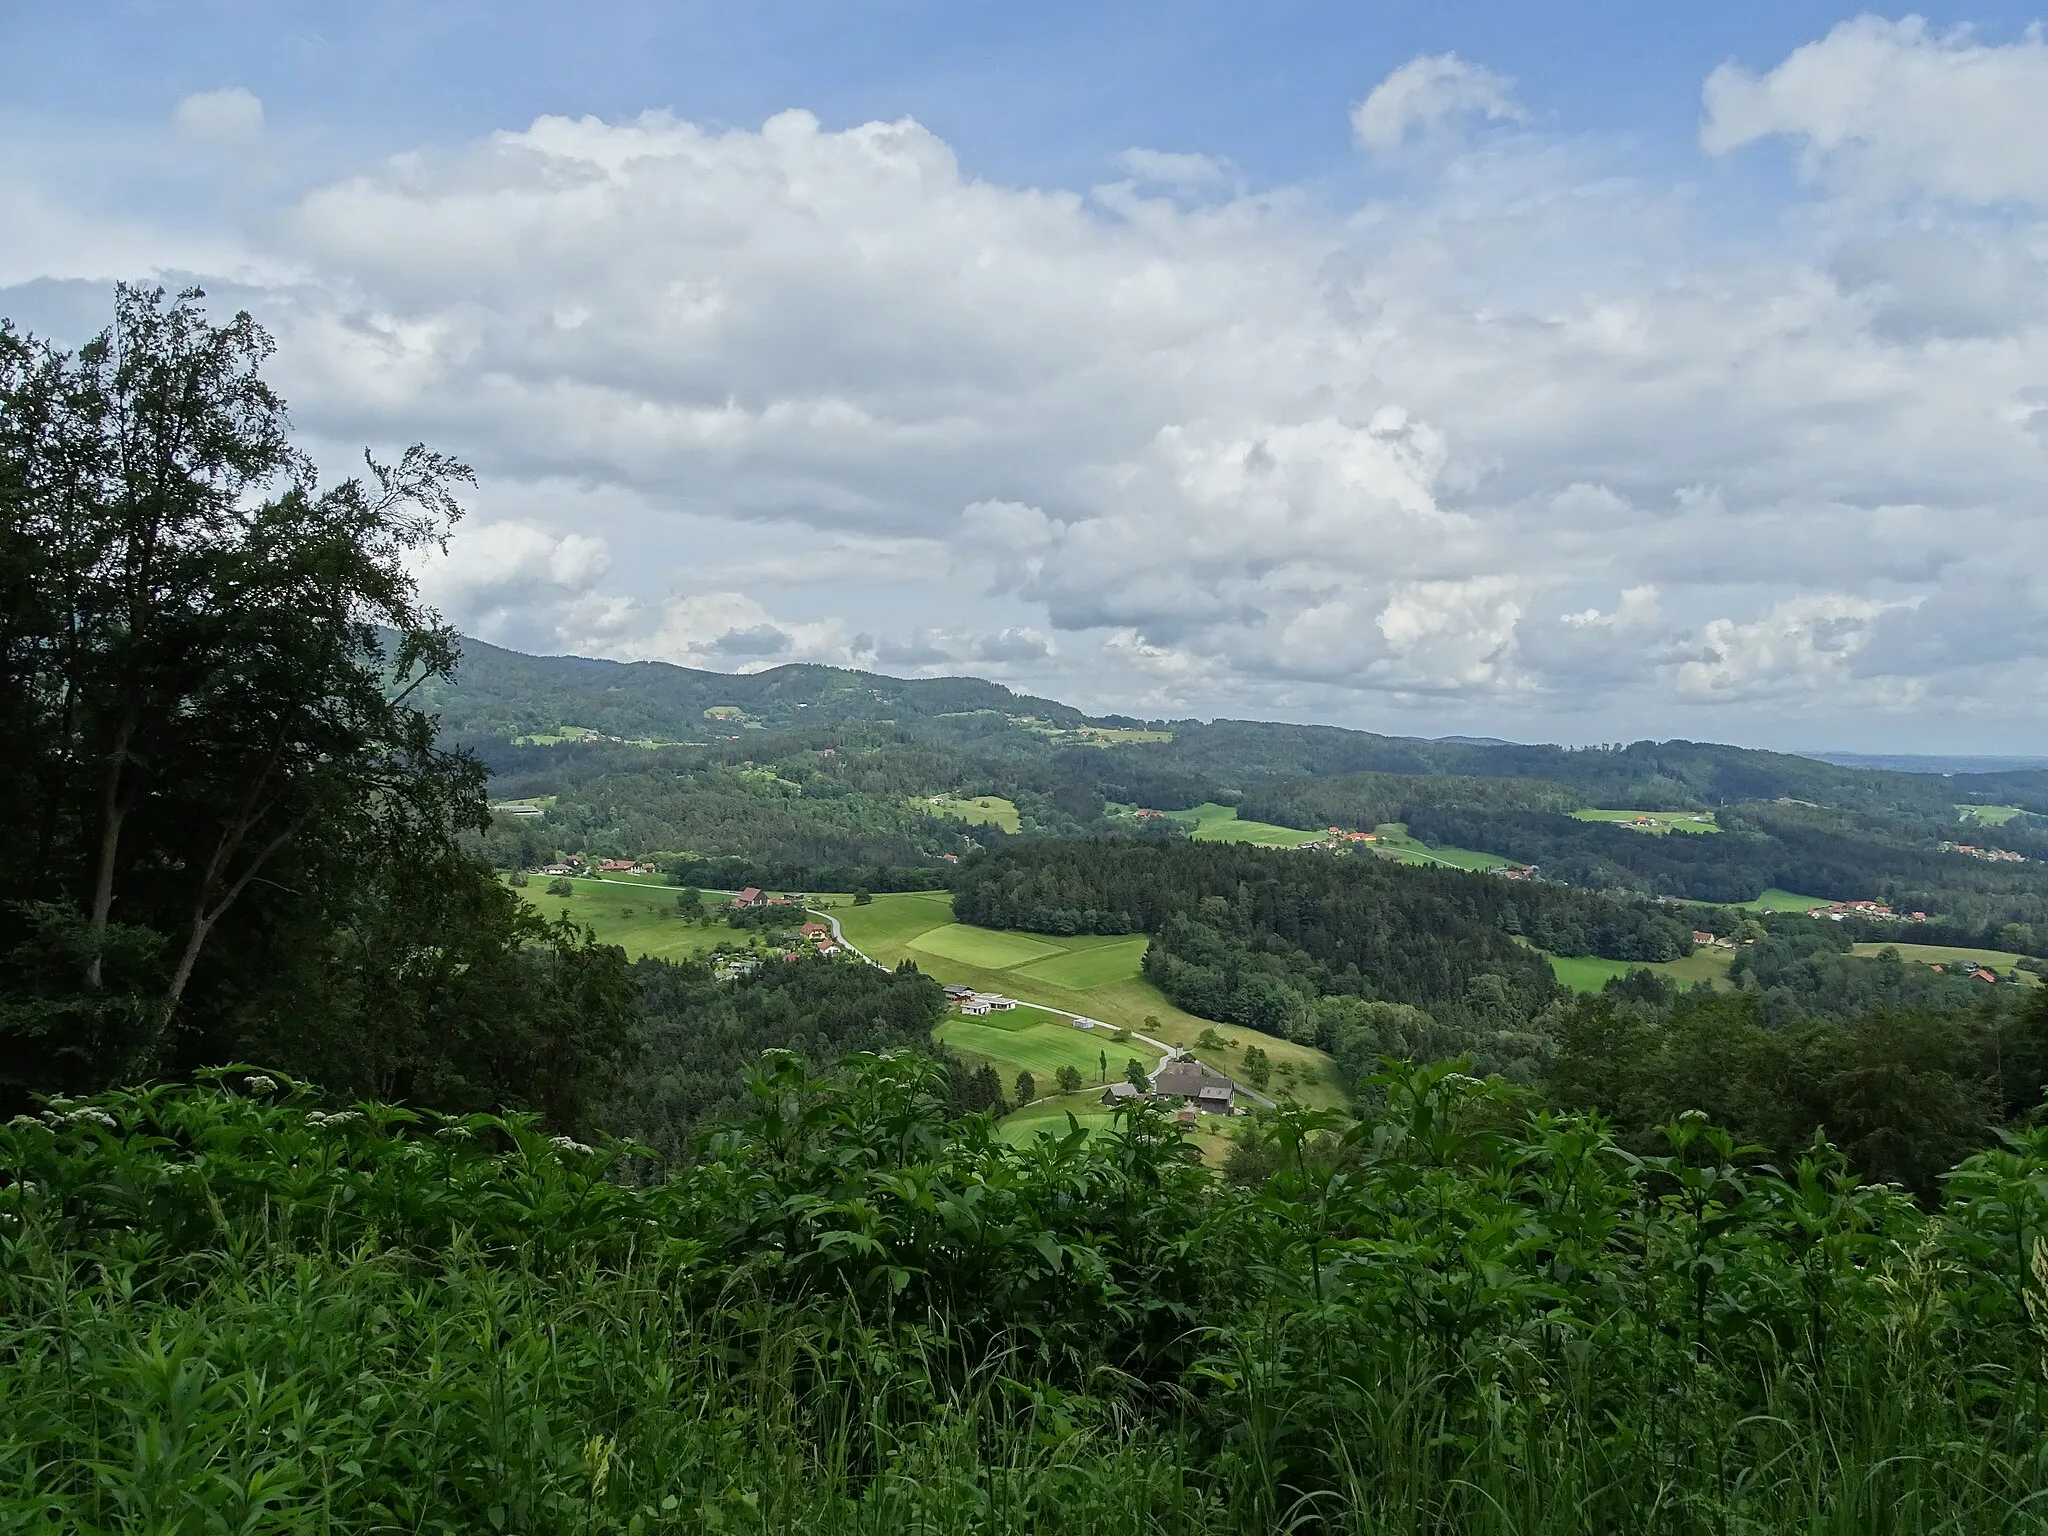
(1166, 1052)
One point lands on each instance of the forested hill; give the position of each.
(500, 696)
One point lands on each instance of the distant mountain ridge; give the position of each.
(503, 696)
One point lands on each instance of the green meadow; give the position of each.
(1098, 976)
(1212, 823)
(1660, 822)
(1391, 841)
(1999, 960)
(982, 810)
(1989, 815)
(636, 913)
(1583, 973)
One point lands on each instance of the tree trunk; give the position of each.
(113, 812)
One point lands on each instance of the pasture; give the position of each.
(1583, 973)
(1949, 955)
(1391, 841)
(1656, 823)
(1098, 976)
(1988, 815)
(1212, 823)
(981, 810)
(637, 915)
(1044, 1049)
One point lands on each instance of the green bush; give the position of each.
(225, 1307)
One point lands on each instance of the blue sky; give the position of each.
(1573, 372)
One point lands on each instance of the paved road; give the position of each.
(1166, 1052)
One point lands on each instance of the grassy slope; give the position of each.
(1584, 974)
(886, 928)
(1665, 821)
(1988, 815)
(984, 810)
(1214, 823)
(642, 921)
(1393, 842)
(1943, 954)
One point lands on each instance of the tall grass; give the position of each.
(221, 1310)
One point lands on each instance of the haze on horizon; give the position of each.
(1453, 370)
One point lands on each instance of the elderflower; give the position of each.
(86, 1116)
(567, 1144)
(339, 1117)
(258, 1083)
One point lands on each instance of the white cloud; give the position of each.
(1166, 169)
(1896, 108)
(231, 117)
(1428, 94)
(1531, 438)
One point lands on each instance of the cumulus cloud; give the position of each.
(1526, 441)
(1895, 107)
(1427, 94)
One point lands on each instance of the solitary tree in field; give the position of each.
(1027, 1087)
(1258, 1071)
(1069, 1078)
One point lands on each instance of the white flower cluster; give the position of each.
(258, 1083)
(86, 1116)
(567, 1144)
(339, 1117)
(454, 1133)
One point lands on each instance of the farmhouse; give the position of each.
(974, 1007)
(1193, 1083)
(1120, 1093)
(815, 931)
(750, 897)
(958, 994)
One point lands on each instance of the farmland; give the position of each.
(1999, 960)
(1096, 976)
(638, 914)
(1213, 823)
(1584, 974)
(1656, 823)
(982, 810)
(1988, 815)
(1392, 841)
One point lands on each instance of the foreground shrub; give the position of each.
(226, 1307)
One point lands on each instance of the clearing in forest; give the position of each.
(982, 810)
(1212, 823)
(1096, 975)
(1584, 973)
(1656, 823)
(1391, 841)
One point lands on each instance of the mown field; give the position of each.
(1391, 841)
(1999, 960)
(1989, 815)
(982, 810)
(1093, 975)
(636, 912)
(1212, 823)
(1585, 974)
(1660, 822)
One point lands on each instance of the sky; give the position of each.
(1586, 372)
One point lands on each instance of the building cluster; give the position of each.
(1837, 910)
(1997, 855)
(978, 1005)
(1192, 1087)
(582, 864)
(1703, 940)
